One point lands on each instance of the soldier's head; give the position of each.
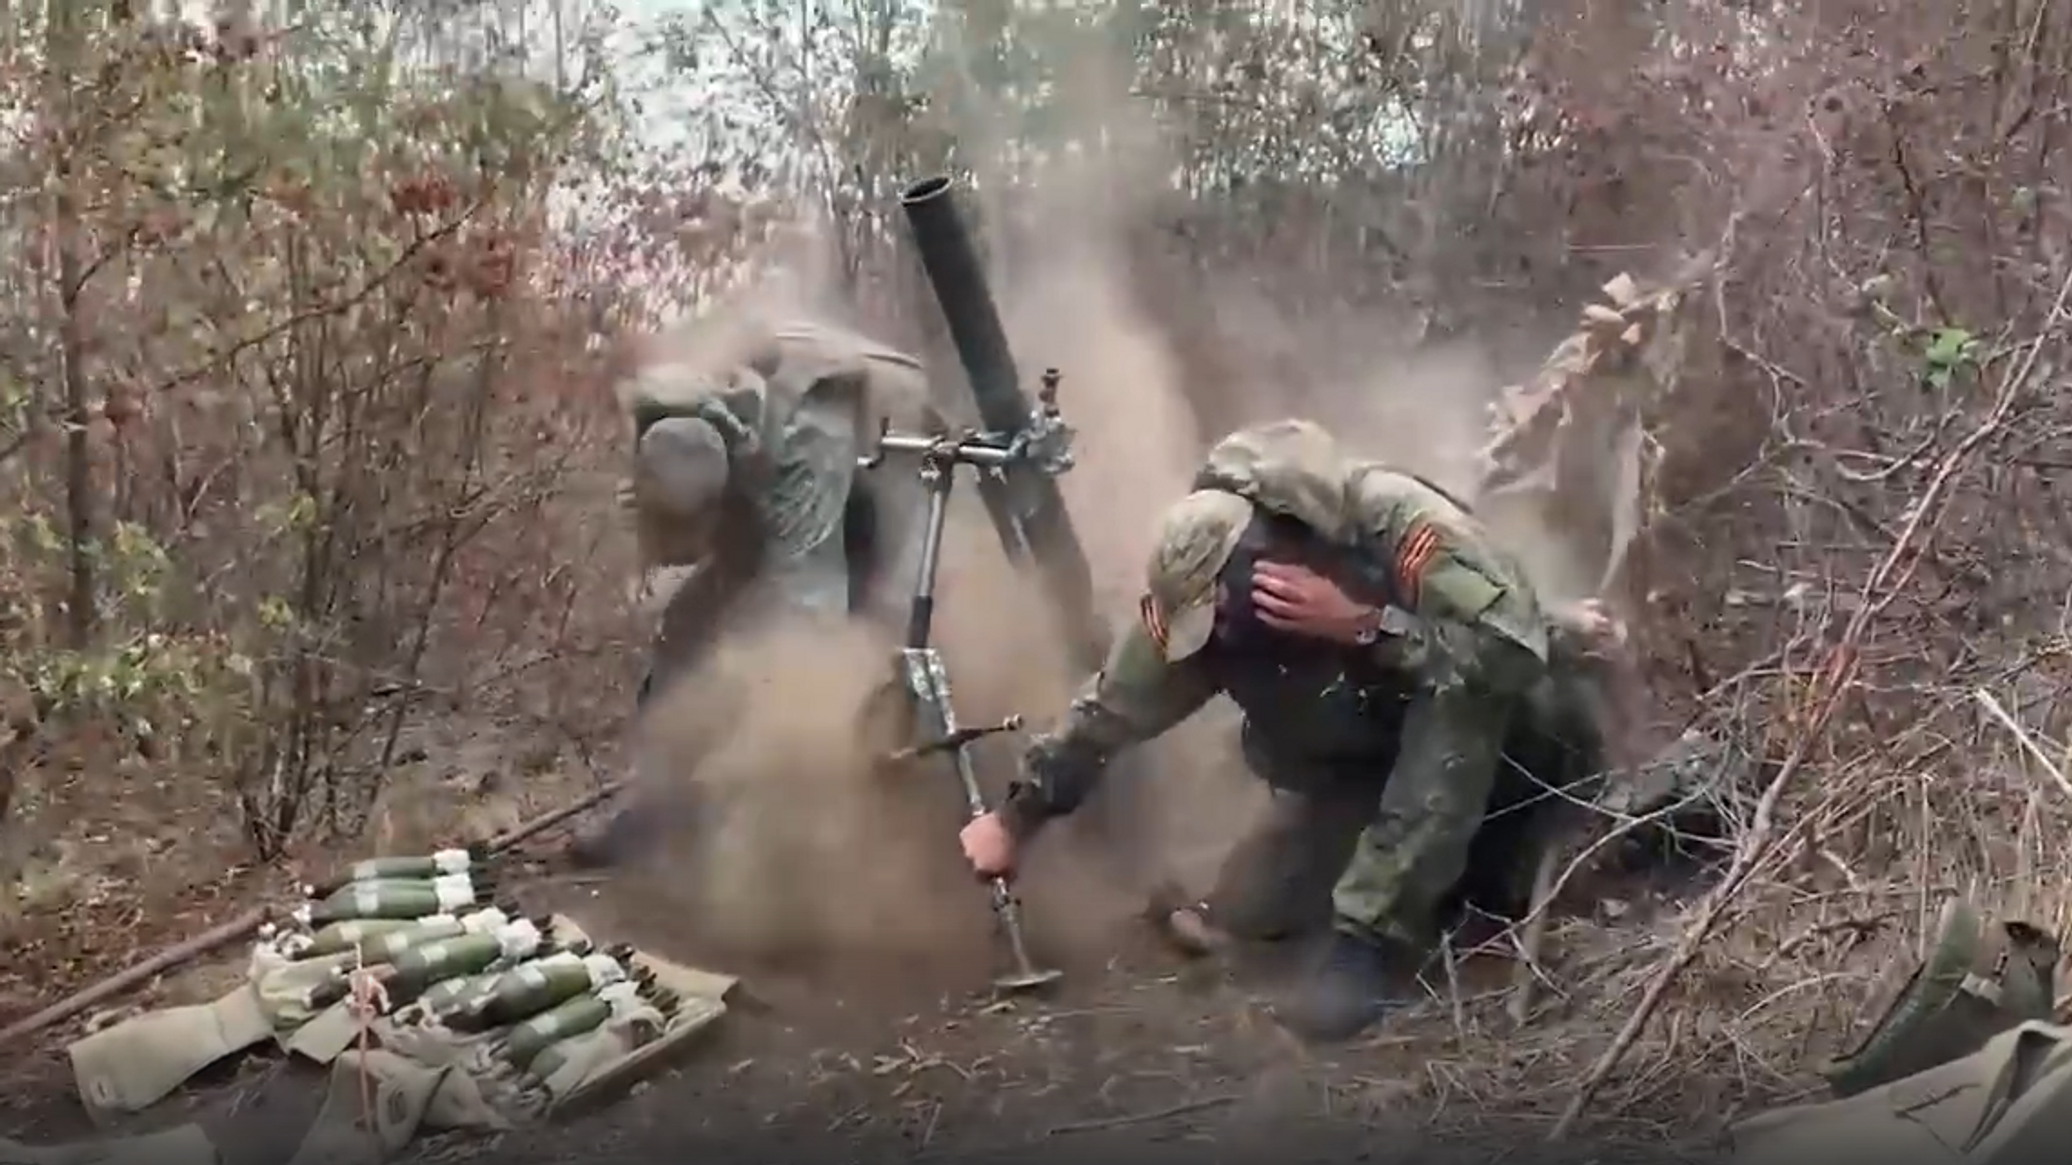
(1200, 579)
(1268, 492)
(680, 475)
(680, 468)
(688, 424)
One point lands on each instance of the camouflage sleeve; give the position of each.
(1137, 696)
(1478, 622)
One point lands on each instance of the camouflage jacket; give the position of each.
(789, 408)
(1460, 620)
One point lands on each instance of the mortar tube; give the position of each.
(1035, 510)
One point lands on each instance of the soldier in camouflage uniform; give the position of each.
(745, 486)
(1387, 657)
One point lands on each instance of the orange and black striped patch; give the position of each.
(1154, 620)
(1413, 556)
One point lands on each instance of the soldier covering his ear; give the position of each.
(1383, 652)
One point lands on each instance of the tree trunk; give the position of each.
(63, 43)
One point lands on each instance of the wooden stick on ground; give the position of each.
(1828, 687)
(1143, 1118)
(165, 960)
(549, 820)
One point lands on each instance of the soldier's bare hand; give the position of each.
(1302, 602)
(988, 847)
(1594, 622)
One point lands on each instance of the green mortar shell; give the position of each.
(385, 900)
(523, 992)
(439, 960)
(450, 994)
(414, 866)
(339, 937)
(570, 1017)
(386, 948)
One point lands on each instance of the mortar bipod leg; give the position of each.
(938, 479)
(928, 680)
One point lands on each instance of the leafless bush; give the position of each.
(307, 436)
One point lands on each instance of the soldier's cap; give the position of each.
(1195, 541)
(680, 468)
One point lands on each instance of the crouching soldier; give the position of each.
(746, 489)
(1386, 657)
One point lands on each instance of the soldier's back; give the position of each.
(893, 384)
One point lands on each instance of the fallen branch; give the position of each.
(1143, 1118)
(547, 821)
(1879, 590)
(158, 964)
(1999, 712)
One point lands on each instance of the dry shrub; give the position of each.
(1883, 204)
(304, 443)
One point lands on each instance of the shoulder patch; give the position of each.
(1154, 620)
(1414, 556)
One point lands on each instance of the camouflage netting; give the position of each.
(1569, 450)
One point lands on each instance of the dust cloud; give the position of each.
(1063, 278)
(800, 853)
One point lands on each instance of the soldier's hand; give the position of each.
(1595, 623)
(1302, 602)
(988, 847)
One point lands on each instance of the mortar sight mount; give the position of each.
(1044, 443)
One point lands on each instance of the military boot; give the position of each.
(1353, 987)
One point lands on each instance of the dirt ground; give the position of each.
(885, 1039)
(1139, 1050)
(1142, 1050)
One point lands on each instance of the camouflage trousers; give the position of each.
(1390, 858)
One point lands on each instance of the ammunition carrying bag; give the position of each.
(1977, 982)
